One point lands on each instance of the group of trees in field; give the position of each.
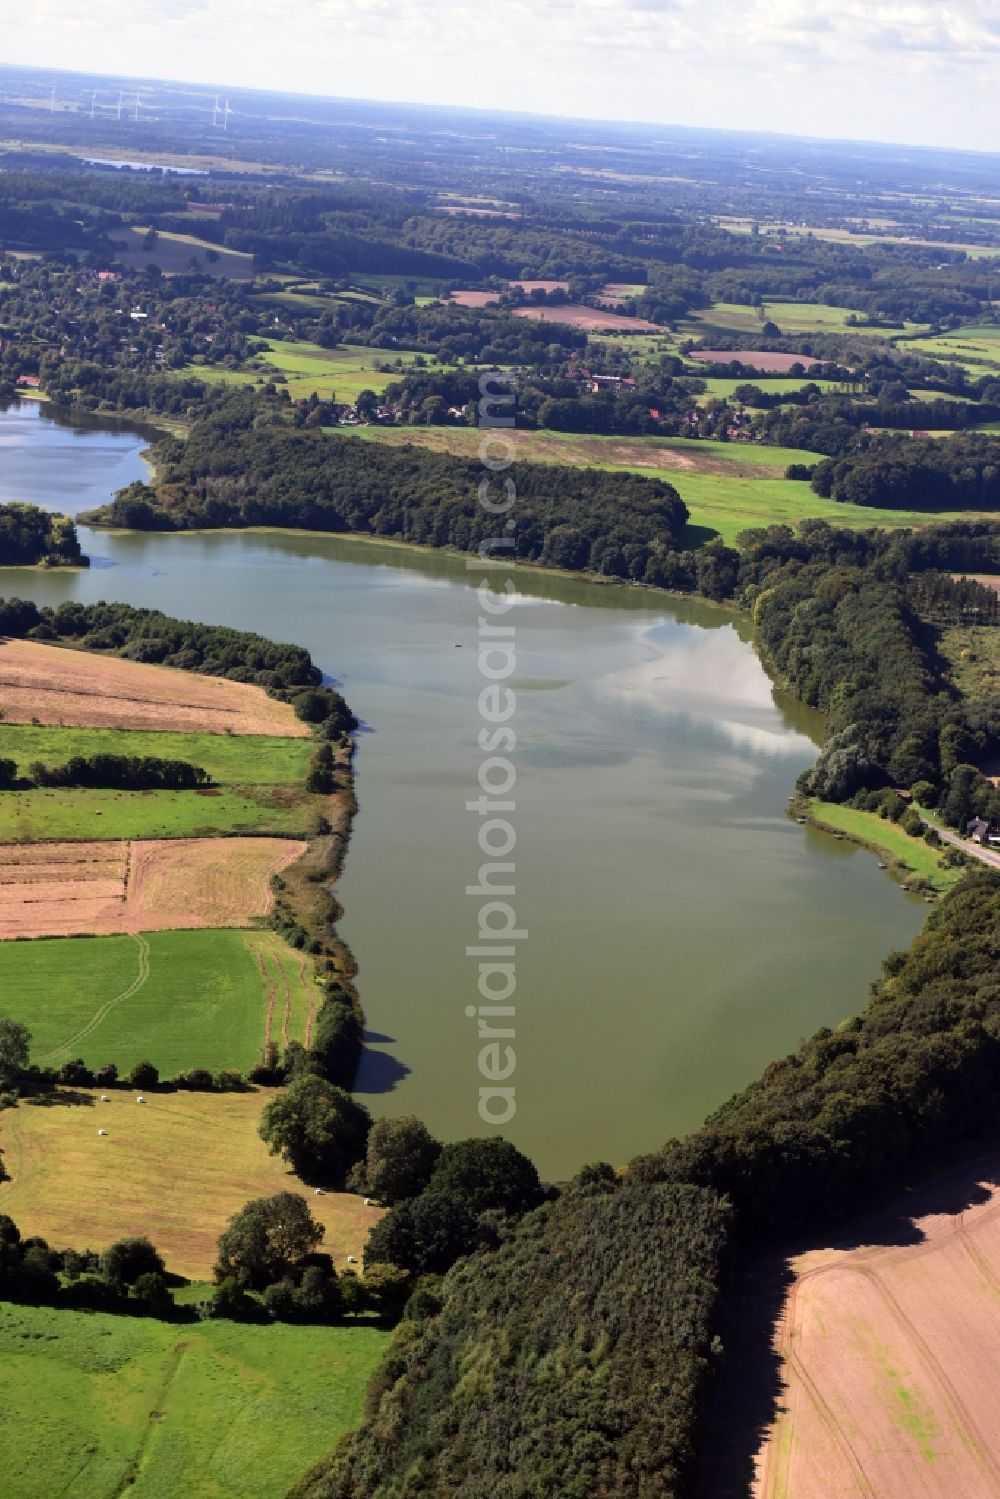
(29, 536)
(119, 772)
(128, 1276)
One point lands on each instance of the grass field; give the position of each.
(901, 852)
(722, 388)
(726, 487)
(973, 655)
(96, 1406)
(176, 1168)
(975, 347)
(790, 317)
(177, 999)
(30, 816)
(339, 374)
(230, 759)
(173, 254)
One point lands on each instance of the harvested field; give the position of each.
(891, 1358)
(474, 298)
(593, 319)
(73, 889)
(620, 291)
(176, 1169)
(52, 685)
(530, 286)
(768, 361)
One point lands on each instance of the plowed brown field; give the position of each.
(69, 889)
(593, 319)
(49, 684)
(891, 1362)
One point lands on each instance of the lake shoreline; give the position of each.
(597, 580)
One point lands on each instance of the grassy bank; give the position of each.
(907, 859)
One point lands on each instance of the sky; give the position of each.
(917, 71)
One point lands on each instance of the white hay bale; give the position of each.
(104, 1098)
(140, 1099)
(318, 1192)
(352, 1259)
(102, 1131)
(368, 1202)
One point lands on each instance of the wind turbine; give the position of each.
(52, 101)
(136, 115)
(216, 111)
(121, 100)
(225, 117)
(93, 103)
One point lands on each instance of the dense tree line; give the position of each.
(121, 773)
(148, 635)
(29, 536)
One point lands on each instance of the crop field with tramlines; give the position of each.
(178, 999)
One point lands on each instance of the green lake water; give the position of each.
(682, 932)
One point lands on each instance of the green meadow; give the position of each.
(176, 999)
(36, 815)
(976, 347)
(789, 317)
(230, 759)
(339, 374)
(96, 1406)
(722, 388)
(173, 254)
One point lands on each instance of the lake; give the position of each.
(682, 931)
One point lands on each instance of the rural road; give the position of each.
(974, 850)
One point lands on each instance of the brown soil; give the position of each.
(474, 298)
(530, 286)
(766, 361)
(51, 685)
(891, 1359)
(594, 319)
(69, 889)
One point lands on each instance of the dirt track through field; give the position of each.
(61, 1052)
(49, 684)
(73, 889)
(891, 1359)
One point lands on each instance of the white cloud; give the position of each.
(892, 69)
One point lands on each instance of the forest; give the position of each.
(961, 473)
